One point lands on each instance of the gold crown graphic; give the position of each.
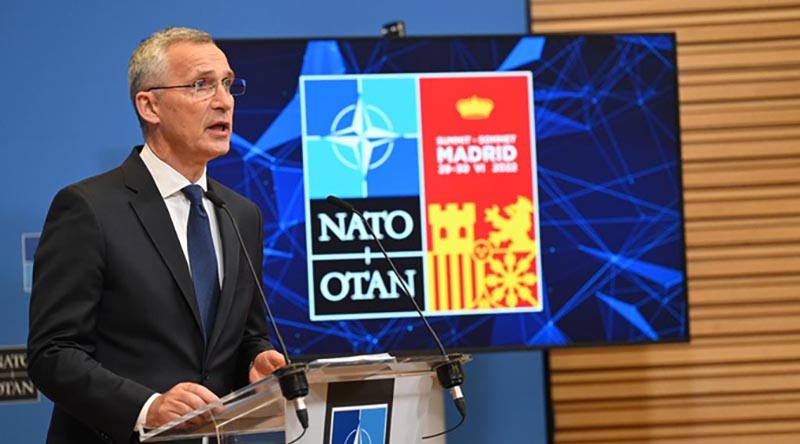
(475, 108)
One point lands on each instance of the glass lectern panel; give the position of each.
(259, 408)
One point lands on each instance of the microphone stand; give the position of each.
(291, 377)
(450, 373)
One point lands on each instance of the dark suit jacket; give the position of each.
(113, 316)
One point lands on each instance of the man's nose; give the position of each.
(222, 97)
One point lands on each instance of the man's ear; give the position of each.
(147, 107)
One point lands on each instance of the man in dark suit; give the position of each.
(131, 323)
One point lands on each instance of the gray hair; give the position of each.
(149, 60)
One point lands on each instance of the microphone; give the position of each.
(291, 377)
(450, 373)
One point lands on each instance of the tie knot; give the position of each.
(194, 193)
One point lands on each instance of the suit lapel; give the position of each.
(149, 207)
(231, 254)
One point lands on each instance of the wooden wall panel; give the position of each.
(738, 380)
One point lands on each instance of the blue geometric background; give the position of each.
(609, 185)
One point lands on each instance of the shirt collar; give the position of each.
(168, 181)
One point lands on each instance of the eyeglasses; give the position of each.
(203, 89)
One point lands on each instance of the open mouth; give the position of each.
(222, 127)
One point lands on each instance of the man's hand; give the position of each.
(178, 401)
(265, 363)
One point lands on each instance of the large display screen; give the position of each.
(527, 189)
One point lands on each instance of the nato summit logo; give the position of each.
(361, 143)
(359, 133)
(29, 243)
(359, 424)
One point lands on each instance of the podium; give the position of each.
(362, 399)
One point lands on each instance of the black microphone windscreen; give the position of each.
(333, 200)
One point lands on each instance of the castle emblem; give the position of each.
(496, 273)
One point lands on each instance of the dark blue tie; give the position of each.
(202, 258)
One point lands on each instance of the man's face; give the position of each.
(195, 130)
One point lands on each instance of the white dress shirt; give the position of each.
(169, 183)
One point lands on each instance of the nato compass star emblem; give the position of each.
(363, 138)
